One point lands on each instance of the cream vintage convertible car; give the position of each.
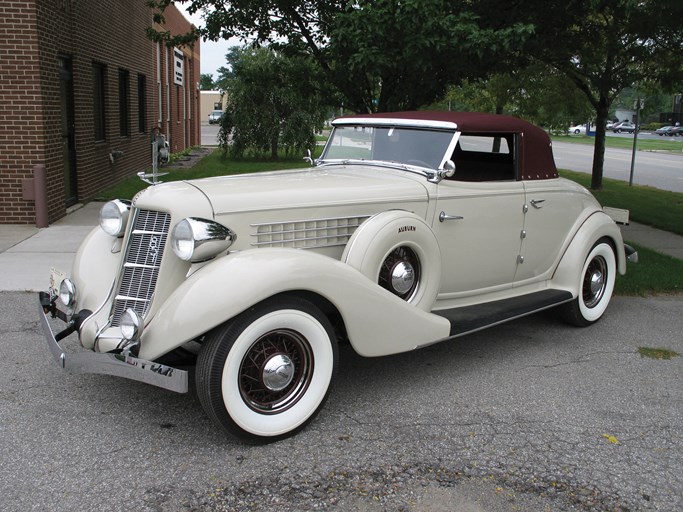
(412, 228)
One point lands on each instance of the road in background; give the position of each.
(210, 134)
(659, 170)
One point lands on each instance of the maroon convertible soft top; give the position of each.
(535, 160)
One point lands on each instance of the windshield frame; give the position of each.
(422, 125)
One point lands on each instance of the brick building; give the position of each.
(81, 91)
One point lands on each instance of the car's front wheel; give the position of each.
(265, 374)
(598, 276)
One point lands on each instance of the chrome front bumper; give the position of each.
(119, 365)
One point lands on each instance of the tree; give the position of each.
(603, 46)
(536, 93)
(379, 54)
(206, 82)
(273, 102)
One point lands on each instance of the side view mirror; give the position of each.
(308, 158)
(447, 171)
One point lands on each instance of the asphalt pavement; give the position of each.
(530, 416)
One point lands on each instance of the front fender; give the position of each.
(377, 322)
(598, 225)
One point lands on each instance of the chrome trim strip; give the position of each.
(134, 299)
(139, 265)
(118, 365)
(388, 121)
(147, 231)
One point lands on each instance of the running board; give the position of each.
(474, 318)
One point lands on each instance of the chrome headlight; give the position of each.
(67, 292)
(196, 240)
(114, 217)
(131, 325)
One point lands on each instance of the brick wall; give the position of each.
(21, 143)
(180, 117)
(34, 36)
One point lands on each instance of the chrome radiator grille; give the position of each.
(306, 234)
(141, 265)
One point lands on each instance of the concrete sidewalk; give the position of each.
(27, 253)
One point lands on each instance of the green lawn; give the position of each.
(215, 164)
(647, 205)
(674, 144)
(654, 273)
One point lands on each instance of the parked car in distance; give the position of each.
(215, 117)
(411, 228)
(577, 129)
(664, 130)
(677, 130)
(624, 126)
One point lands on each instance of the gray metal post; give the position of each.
(635, 140)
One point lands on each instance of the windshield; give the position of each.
(411, 146)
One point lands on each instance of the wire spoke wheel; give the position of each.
(276, 371)
(265, 374)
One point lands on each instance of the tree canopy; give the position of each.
(604, 46)
(380, 55)
(384, 55)
(206, 82)
(272, 103)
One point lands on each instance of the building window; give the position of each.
(124, 103)
(99, 72)
(142, 104)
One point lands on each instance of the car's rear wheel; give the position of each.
(598, 276)
(264, 375)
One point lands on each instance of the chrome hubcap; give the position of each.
(278, 372)
(595, 282)
(400, 273)
(402, 277)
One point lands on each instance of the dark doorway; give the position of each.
(66, 98)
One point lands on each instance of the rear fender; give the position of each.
(597, 226)
(377, 322)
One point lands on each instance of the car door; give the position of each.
(553, 214)
(479, 218)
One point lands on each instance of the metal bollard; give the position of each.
(40, 194)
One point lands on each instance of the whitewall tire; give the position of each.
(266, 374)
(596, 286)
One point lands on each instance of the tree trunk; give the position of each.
(599, 149)
(273, 148)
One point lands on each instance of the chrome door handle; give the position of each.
(536, 203)
(444, 216)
